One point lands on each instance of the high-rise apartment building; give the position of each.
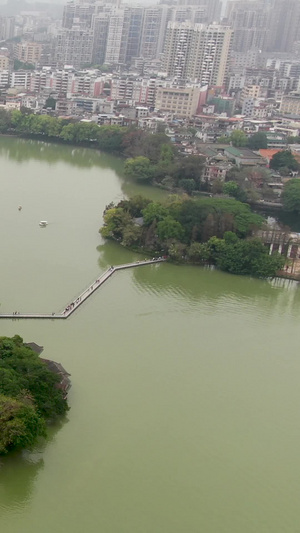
(7, 28)
(249, 20)
(100, 24)
(271, 25)
(197, 52)
(211, 8)
(78, 11)
(132, 32)
(123, 32)
(74, 46)
(153, 31)
(188, 14)
(284, 25)
(114, 50)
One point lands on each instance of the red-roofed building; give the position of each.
(267, 153)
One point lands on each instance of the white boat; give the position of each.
(43, 223)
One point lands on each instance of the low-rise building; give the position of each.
(243, 157)
(20, 78)
(4, 62)
(12, 103)
(290, 104)
(181, 102)
(268, 153)
(4, 78)
(249, 91)
(28, 52)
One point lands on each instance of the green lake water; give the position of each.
(185, 399)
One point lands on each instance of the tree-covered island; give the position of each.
(213, 231)
(30, 395)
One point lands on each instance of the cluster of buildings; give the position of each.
(173, 65)
(113, 33)
(266, 25)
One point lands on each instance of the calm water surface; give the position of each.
(185, 394)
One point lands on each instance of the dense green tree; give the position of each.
(29, 395)
(115, 221)
(200, 218)
(257, 141)
(199, 253)
(190, 167)
(188, 185)
(166, 155)
(4, 121)
(134, 205)
(231, 188)
(131, 235)
(284, 159)
(291, 196)
(67, 133)
(169, 228)
(153, 145)
(54, 127)
(224, 139)
(252, 183)
(154, 212)
(217, 186)
(20, 424)
(32, 375)
(139, 168)
(176, 250)
(238, 138)
(110, 138)
(245, 257)
(50, 103)
(228, 214)
(132, 142)
(80, 132)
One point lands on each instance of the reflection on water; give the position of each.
(15, 496)
(112, 253)
(207, 286)
(219, 291)
(21, 150)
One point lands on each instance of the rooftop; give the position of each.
(242, 152)
(267, 153)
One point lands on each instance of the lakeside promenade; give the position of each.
(84, 295)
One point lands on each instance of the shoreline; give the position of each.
(280, 274)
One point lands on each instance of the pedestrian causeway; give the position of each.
(84, 295)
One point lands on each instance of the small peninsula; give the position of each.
(203, 231)
(32, 393)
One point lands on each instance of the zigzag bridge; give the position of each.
(73, 306)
